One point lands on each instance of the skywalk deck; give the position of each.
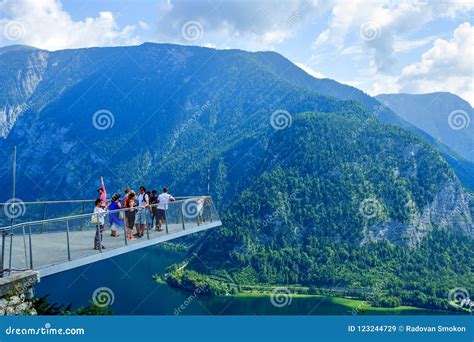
(62, 244)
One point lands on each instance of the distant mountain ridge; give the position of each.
(445, 116)
(20, 82)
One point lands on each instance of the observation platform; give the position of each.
(55, 245)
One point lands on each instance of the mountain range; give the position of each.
(315, 180)
(445, 116)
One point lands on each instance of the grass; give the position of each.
(351, 303)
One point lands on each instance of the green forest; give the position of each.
(300, 221)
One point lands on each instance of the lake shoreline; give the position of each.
(356, 301)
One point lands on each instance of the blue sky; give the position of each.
(414, 46)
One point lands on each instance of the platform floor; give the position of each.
(50, 251)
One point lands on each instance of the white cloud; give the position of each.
(250, 25)
(144, 25)
(309, 70)
(376, 26)
(446, 66)
(45, 24)
(406, 45)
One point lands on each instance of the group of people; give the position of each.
(145, 210)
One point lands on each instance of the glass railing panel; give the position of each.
(49, 242)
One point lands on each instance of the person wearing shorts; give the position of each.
(141, 219)
(163, 201)
(130, 214)
(99, 220)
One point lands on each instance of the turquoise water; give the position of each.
(129, 277)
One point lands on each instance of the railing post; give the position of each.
(11, 252)
(211, 205)
(99, 231)
(68, 245)
(182, 219)
(166, 220)
(31, 247)
(146, 225)
(147, 234)
(83, 212)
(125, 228)
(3, 254)
(44, 217)
(24, 245)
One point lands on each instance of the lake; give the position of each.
(129, 277)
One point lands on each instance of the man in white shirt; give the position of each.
(141, 218)
(163, 199)
(98, 218)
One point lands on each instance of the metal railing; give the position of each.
(36, 244)
(43, 210)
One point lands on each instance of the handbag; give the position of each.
(95, 219)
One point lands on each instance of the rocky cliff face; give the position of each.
(18, 85)
(450, 209)
(16, 293)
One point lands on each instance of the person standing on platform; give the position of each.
(143, 212)
(130, 214)
(127, 192)
(114, 216)
(163, 201)
(154, 210)
(102, 192)
(99, 220)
